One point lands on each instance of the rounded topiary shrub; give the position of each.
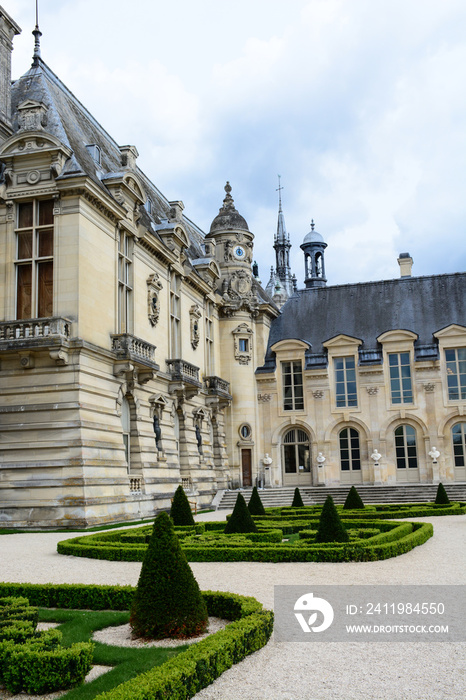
(241, 519)
(167, 602)
(255, 505)
(297, 499)
(180, 511)
(441, 497)
(353, 500)
(331, 529)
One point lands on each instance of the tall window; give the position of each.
(296, 452)
(125, 282)
(459, 444)
(175, 317)
(405, 445)
(456, 373)
(345, 382)
(292, 386)
(209, 338)
(34, 259)
(400, 377)
(350, 452)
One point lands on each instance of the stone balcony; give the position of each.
(184, 377)
(134, 354)
(215, 386)
(27, 337)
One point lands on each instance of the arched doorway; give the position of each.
(296, 458)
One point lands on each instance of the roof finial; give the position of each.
(312, 224)
(37, 35)
(279, 190)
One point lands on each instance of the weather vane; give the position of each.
(279, 190)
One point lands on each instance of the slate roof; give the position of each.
(75, 127)
(422, 305)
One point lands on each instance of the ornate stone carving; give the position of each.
(264, 398)
(242, 335)
(194, 316)
(154, 286)
(429, 388)
(372, 390)
(318, 394)
(32, 116)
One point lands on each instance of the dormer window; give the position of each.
(148, 206)
(95, 152)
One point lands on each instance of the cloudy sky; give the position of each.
(359, 105)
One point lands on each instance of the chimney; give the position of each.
(405, 262)
(8, 29)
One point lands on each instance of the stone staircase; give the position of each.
(399, 493)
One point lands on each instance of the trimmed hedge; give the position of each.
(34, 661)
(186, 674)
(238, 547)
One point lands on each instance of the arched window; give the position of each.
(126, 427)
(458, 433)
(350, 452)
(405, 445)
(296, 451)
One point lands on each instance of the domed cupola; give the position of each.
(228, 218)
(313, 247)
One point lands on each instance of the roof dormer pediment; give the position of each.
(341, 341)
(22, 143)
(125, 185)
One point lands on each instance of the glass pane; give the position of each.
(45, 289)
(46, 243)
(25, 215)
(24, 245)
(290, 459)
(303, 456)
(23, 292)
(46, 212)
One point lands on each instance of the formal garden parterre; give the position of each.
(283, 534)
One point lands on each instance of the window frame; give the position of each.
(456, 373)
(293, 391)
(296, 451)
(175, 316)
(41, 286)
(395, 371)
(354, 450)
(401, 445)
(125, 281)
(461, 443)
(342, 398)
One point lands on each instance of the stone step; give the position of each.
(403, 493)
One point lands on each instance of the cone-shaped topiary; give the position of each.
(180, 512)
(255, 506)
(442, 497)
(353, 500)
(167, 602)
(297, 499)
(241, 519)
(331, 529)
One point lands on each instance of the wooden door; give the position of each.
(246, 467)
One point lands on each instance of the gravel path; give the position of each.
(326, 671)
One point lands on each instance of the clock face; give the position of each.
(239, 252)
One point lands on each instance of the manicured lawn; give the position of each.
(79, 625)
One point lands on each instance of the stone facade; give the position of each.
(138, 352)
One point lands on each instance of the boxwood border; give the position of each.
(394, 539)
(186, 674)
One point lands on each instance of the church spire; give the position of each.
(37, 35)
(282, 247)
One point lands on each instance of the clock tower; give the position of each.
(231, 244)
